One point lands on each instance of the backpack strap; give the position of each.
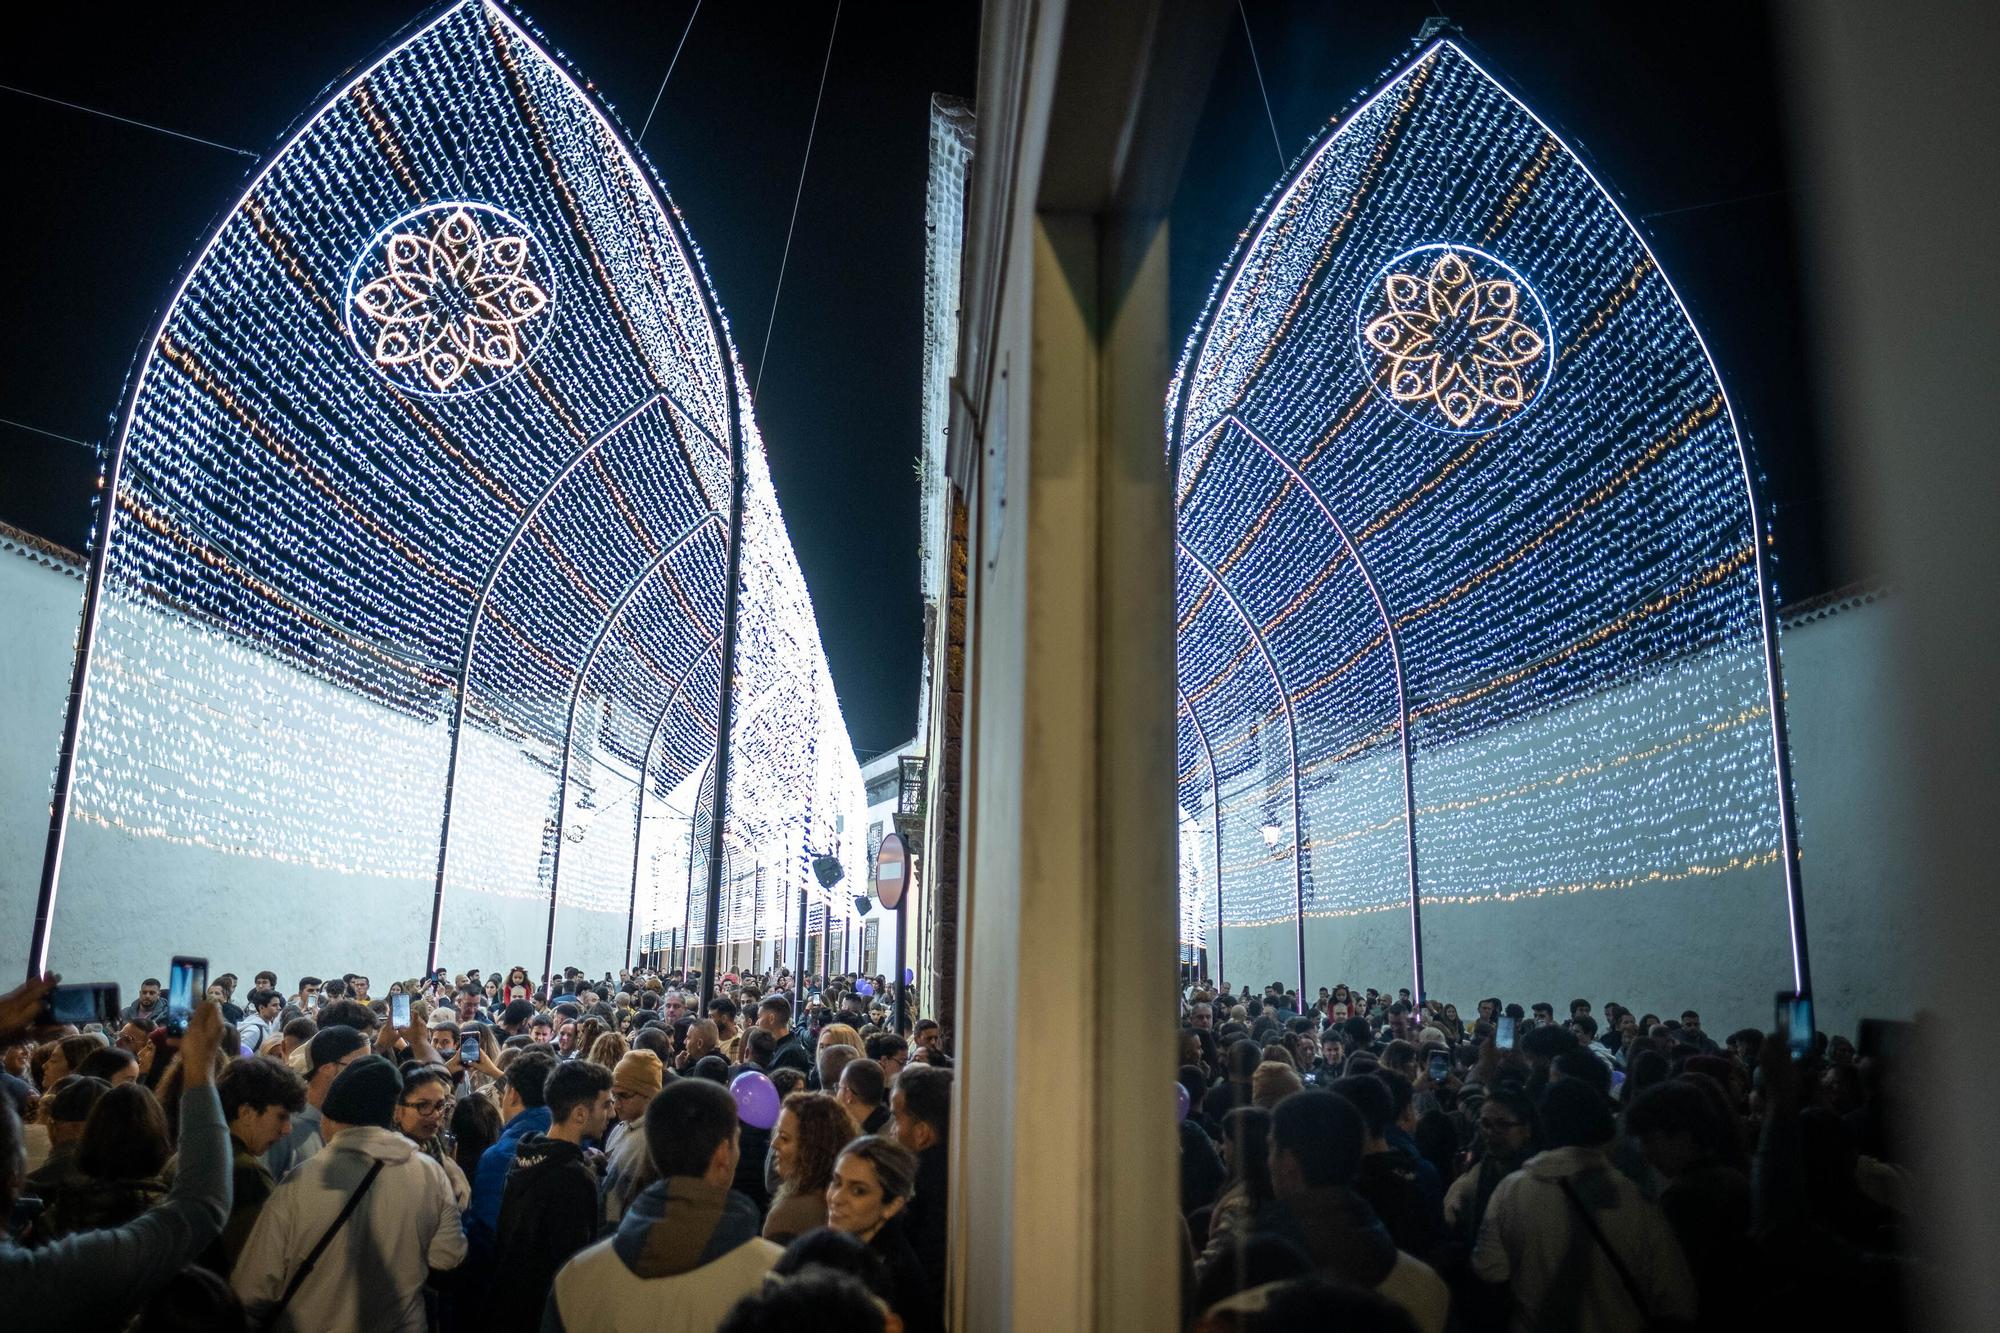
(305, 1269)
(1604, 1243)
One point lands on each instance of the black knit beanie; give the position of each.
(365, 1093)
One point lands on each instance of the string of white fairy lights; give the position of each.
(439, 409)
(1442, 333)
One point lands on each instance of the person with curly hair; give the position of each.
(812, 1128)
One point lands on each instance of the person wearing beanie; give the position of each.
(1536, 1239)
(635, 1081)
(331, 1050)
(404, 1222)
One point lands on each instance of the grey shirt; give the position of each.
(97, 1279)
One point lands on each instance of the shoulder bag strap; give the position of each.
(305, 1269)
(1604, 1243)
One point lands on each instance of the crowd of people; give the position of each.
(588, 1154)
(615, 1154)
(1381, 1164)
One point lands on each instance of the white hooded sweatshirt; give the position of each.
(371, 1276)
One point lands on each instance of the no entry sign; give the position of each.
(892, 870)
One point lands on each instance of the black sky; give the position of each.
(1676, 106)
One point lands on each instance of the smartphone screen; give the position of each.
(85, 1002)
(1799, 1025)
(1440, 1066)
(187, 986)
(1503, 1033)
(468, 1051)
(399, 1010)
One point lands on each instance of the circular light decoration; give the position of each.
(450, 298)
(1455, 337)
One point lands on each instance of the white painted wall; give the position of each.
(1716, 943)
(241, 884)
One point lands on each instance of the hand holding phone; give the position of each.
(85, 1002)
(399, 1009)
(1503, 1032)
(468, 1052)
(1440, 1067)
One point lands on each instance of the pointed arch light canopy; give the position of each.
(412, 567)
(1451, 443)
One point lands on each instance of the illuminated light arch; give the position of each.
(397, 545)
(1195, 922)
(1444, 339)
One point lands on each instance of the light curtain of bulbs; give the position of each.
(1473, 597)
(421, 517)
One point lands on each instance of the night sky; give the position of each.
(1679, 108)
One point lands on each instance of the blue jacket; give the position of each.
(482, 1215)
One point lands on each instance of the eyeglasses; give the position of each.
(429, 1107)
(1494, 1123)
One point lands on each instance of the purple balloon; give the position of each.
(1180, 1102)
(756, 1099)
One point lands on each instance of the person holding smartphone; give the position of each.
(98, 1279)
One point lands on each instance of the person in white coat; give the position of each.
(369, 1273)
(1572, 1238)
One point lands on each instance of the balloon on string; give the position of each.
(756, 1099)
(1180, 1102)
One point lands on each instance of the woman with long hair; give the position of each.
(1246, 1133)
(475, 1127)
(118, 1164)
(608, 1050)
(812, 1128)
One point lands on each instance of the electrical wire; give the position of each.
(37, 430)
(670, 72)
(1262, 91)
(127, 120)
(770, 324)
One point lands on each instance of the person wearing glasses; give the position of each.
(1509, 1135)
(422, 1113)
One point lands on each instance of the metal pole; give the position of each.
(611, 618)
(726, 703)
(799, 973)
(464, 682)
(902, 959)
(645, 781)
(1215, 808)
(1402, 707)
(1292, 733)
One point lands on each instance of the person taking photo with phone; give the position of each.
(99, 1279)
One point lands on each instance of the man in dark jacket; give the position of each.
(549, 1209)
(920, 1120)
(688, 1244)
(774, 1015)
(1385, 1177)
(259, 1099)
(1315, 1152)
(523, 1112)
